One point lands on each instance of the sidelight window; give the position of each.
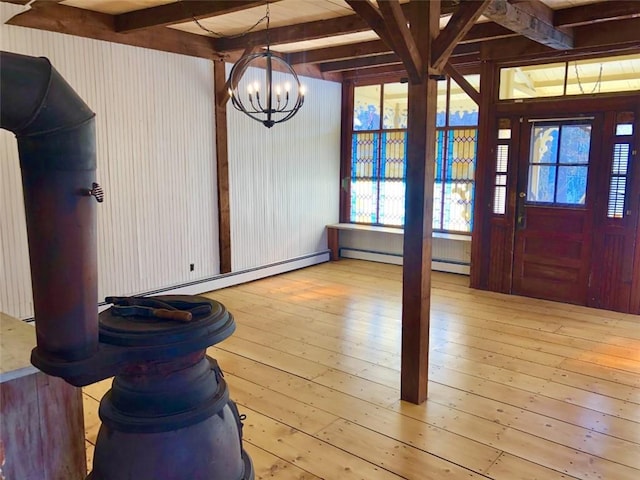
(620, 165)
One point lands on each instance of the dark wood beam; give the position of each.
(309, 30)
(469, 89)
(222, 165)
(295, 33)
(596, 12)
(341, 52)
(394, 72)
(54, 17)
(401, 37)
(363, 49)
(178, 12)
(532, 19)
(416, 270)
(375, 61)
(373, 18)
(482, 32)
(612, 33)
(362, 62)
(615, 37)
(459, 25)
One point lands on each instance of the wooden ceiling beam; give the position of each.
(612, 33)
(362, 62)
(596, 12)
(469, 89)
(309, 30)
(373, 18)
(54, 17)
(394, 72)
(459, 25)
(178, 12)
(364, 49)
(340, 52)
(615, 38)
(531, 19)
(404, 44)
(483, 32)
(376, 61)
(295, 33)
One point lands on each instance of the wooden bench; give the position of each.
(447, 256)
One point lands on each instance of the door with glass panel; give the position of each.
(552, 250)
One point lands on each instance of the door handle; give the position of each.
(520, 213)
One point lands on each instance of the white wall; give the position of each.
(288, 175)
(156, 163)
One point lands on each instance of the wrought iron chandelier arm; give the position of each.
(266, 109)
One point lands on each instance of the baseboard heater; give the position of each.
(234, 278)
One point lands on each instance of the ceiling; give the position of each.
(327, 39)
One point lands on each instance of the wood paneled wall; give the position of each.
(284, 180)
(156, 163)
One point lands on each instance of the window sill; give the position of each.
(395, 231)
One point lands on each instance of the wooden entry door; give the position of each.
(552, 249)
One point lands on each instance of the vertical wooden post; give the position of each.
(480, 248)
(222, 162)
(416, 272)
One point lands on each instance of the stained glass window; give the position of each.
(378, 156)
(455, 163)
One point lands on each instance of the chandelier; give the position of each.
(265, 87)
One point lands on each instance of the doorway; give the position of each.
(554, 208)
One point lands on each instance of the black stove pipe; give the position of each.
(55, 130)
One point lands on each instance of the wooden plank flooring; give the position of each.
(519, 388)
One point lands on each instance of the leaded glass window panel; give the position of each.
(558, 163)
(366, 108)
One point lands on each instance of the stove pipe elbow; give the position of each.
(55, 130)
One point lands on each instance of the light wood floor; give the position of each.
(519, 388)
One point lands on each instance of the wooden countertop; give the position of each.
(17, 339)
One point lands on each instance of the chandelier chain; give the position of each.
(237, 35)
(597, 85)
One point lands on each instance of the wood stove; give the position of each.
(168, 415)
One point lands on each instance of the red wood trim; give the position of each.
(568, 105)
(333, 242)
(345, 151)
(222, 163)
(481, 237)
(634, 303)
